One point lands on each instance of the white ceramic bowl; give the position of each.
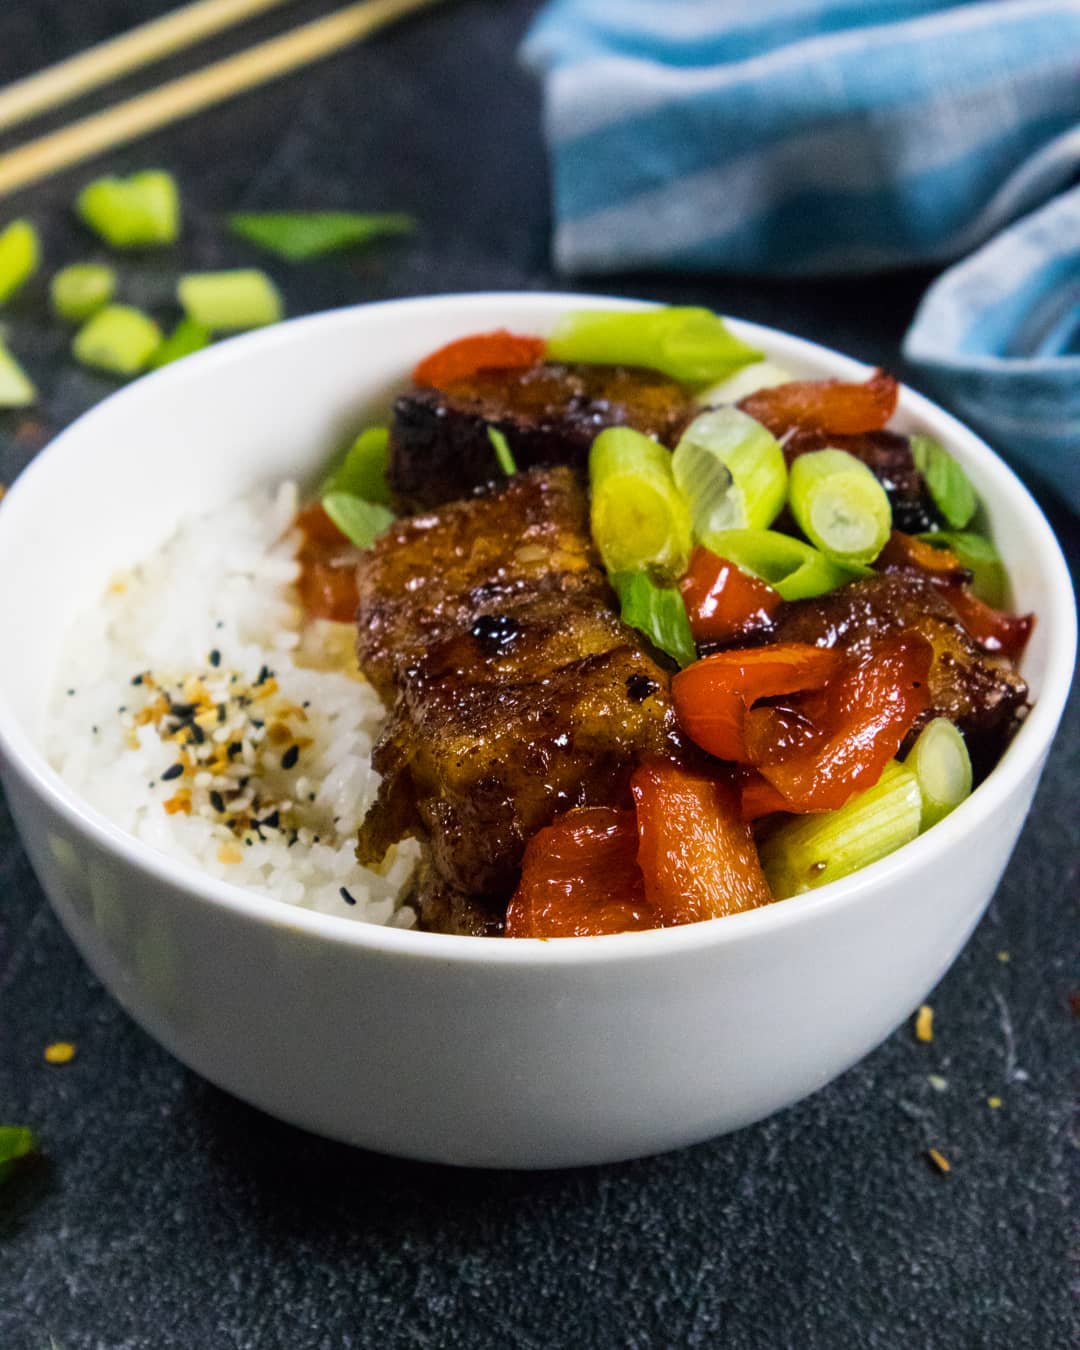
(464, 1050)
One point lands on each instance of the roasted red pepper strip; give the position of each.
(712, 696)
(825, 405)
(327, 581)
(696, 854)
(871, 708)
(722, 601)
(580, 878)
(904, 550)
(500, 350)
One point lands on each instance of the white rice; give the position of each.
(205, 617)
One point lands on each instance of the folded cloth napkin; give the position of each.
(998, 335)
(790, 137)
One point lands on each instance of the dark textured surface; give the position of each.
(169, 1215)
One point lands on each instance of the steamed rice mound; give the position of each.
(197, 710)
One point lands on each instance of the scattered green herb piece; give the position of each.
(81, 290)
(940, 761)
(132, 212)
(840, 506)
(638, 516)
(748, 380)
(690, 345)
(16, 1142)
(230, 301)
(361, 522)
(979, 556)
(657, 611)
(503, 452)
(362, 473)
(794, 568)
(16, 389)
(118, 339)
(947, 483)
(187, 337)
(20, 254)
(299, 235)
(731, 471)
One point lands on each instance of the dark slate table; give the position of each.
(168, 1215)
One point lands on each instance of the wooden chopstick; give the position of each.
(173, 32)
(192, 93)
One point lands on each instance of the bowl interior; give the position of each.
(279, 403)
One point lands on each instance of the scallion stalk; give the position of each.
(980, 557)
(940, 762)
(118, 339)
(80, 290)
(731, 470)
(839, 505)
(16, 388)
(812, 850)
(230, 301)
(362, 473)
(503, 453)
(20, 255)
(658, 611)
(17, 1142)
(794, 568)
(948, 485)
(639, 519)
(690, 345)
(133, 212)
(361, 522)
(757, 375)
(300, 235)
(187, 337)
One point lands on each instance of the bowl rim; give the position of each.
(1022, 757)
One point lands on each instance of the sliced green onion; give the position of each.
(361, 522)
(639, 518)
(230, 301)
(118, 339)
(20, 254)
(298, 235)
(980, 557)
(187, 337)
(948, 485)
(840, 506)
(503, 453)
(758, 375)
(812, 850)
(132, 212)
(362, 473)
(658, 612)
(731, 470)
(16, 388)
(16, 1142)
(794, 568)
(690, 345)
(80, 290)
(940, 761)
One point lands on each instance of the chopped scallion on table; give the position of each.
(948, 485)
(361, 522)
(940, 762)
(230, 301)
(690, 345)
(299, 235)
(16, 1143)
(812, 850)
(362, 473)
(639, 518)
(187, 337)
(118, 339)
(731, 470)
(135, 212)
(794, 568)
(657, 611)
(16, 388)
(839, 505)
(81, 290)
(20, 254)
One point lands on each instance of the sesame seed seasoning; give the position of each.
(289, 758)
(217, 801)
(215, 658)
(344, 893)
(173, 771)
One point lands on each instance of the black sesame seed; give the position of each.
(264, 674)
(137, 680)
(217, 801)
(70, 692)
(233, 749)
(272, 821)
(215, 657)
(349, 899)
(173, 771)
(289, 758)
(197, 733)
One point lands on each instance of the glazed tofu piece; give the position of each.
(550, 414)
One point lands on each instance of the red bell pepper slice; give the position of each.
(696, 854)
(327, 580)
(713, 696)
(722, 601)
(825, 405)
(580, 877)
(458, 360)
(870, 709)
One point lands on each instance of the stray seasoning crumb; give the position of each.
(994, 1103)
(229, 853)
(924, 1023)
(1003, 957)
(59, 1052)
(939, 1160)
(936, 1081)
